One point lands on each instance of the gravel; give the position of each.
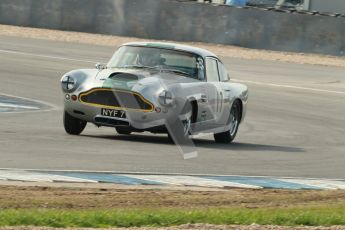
(221, 50)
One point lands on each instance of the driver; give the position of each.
(149, 57)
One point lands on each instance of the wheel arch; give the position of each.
(241, 107)
(194, 103)
(194, 110)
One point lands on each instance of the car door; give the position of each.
(214, 91)
(226, 92)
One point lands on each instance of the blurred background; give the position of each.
(323, 6)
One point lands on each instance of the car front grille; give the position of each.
(117, 99)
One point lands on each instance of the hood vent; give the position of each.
(124, 77)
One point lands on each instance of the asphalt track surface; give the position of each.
(295, 125)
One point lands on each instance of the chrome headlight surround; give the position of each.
(68, 83)
(166, 98)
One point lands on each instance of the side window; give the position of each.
(211, 70)
(223, 73)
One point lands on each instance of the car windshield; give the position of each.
(179, 62)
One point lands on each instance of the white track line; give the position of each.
(324, 184)
(9, 105)
(168, 174)
(191, 181)
(289, 86)
(39, 177)
(52, 107)
(45, 56)
(30, 176)
(236, 80)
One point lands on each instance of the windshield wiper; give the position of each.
(157, 68)
(177, 71)
(139, 67)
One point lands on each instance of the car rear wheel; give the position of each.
(234, 122)
(123, 131)
(72, 125)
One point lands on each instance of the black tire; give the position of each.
(229, 136)
(171, 140)
(73, 126)
(123, 131)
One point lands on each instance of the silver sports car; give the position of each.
(156, 87)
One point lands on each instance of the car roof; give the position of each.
(173, 46)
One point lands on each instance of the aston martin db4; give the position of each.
(145, 85)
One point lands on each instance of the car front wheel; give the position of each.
(73, 126)
(233, 123)
(122, 131)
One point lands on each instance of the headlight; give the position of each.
(166, 98)
(68, 83)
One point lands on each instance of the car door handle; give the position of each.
(227, 90)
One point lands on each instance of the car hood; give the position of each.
(130, 79)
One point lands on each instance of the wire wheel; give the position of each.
(233, 123)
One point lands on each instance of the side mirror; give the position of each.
(100, 66)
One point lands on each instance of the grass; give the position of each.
(111, 207)
(308, 216)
